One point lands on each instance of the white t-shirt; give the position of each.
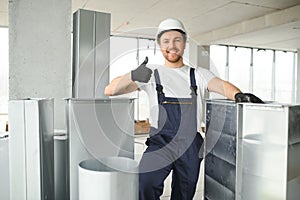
(176, 83)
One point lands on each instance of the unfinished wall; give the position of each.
(40, 51)
(298, 77)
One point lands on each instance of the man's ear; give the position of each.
(158, 42)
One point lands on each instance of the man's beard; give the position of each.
(171, 57)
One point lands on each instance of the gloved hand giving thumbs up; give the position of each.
(142, 73)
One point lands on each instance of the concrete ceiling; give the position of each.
(256, 23)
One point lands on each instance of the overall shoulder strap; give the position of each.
(193, 82)
(159, 87)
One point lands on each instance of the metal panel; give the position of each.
(4, 166)
(220, 150)
(33, 152)
(83, 59)
(221, 171)
(31, 149)
(269, 151)
(267, 138)
(225, 147)
(61, 167)
(91, 33)
(263, 142)
(215, 190)
(17, 147)
(98, 128)
(102, 53)
(293, 174)
(294, 125)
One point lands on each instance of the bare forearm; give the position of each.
(223, 87)
(230, 90)
(120, 85)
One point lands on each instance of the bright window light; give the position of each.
(3, 74)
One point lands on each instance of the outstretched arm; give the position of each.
(223, 87)
(121, 85)
(125, 84)
(231, 91)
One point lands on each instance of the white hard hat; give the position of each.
(170, 24)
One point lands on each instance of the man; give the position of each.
(175, 93)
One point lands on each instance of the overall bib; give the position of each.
(174, 145)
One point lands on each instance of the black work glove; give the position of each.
(247, 97)
(142, 73)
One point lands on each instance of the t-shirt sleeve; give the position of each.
(140, 85)
(206, 75)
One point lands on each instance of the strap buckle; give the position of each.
(159, 89)
(193, 90)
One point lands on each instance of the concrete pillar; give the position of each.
(40, 52)
(193, 54)
(199, 55)
(298, 77)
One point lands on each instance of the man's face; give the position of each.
(172, 46)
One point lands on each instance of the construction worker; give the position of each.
(175, 91)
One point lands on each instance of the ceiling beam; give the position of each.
(274, 19)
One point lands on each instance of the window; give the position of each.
(262, 73)
(126, 54)
(218, 60)
(239, 67)
(284, 76)
(3, 75)
(148, 47)
(272, 77)
(123, 55)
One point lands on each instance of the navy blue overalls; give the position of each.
(174, 145)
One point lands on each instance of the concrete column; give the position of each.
(193, 53)
(199, 55)
(298, 77)
(204, 56)
(40, 52)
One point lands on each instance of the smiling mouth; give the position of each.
(171, 51)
